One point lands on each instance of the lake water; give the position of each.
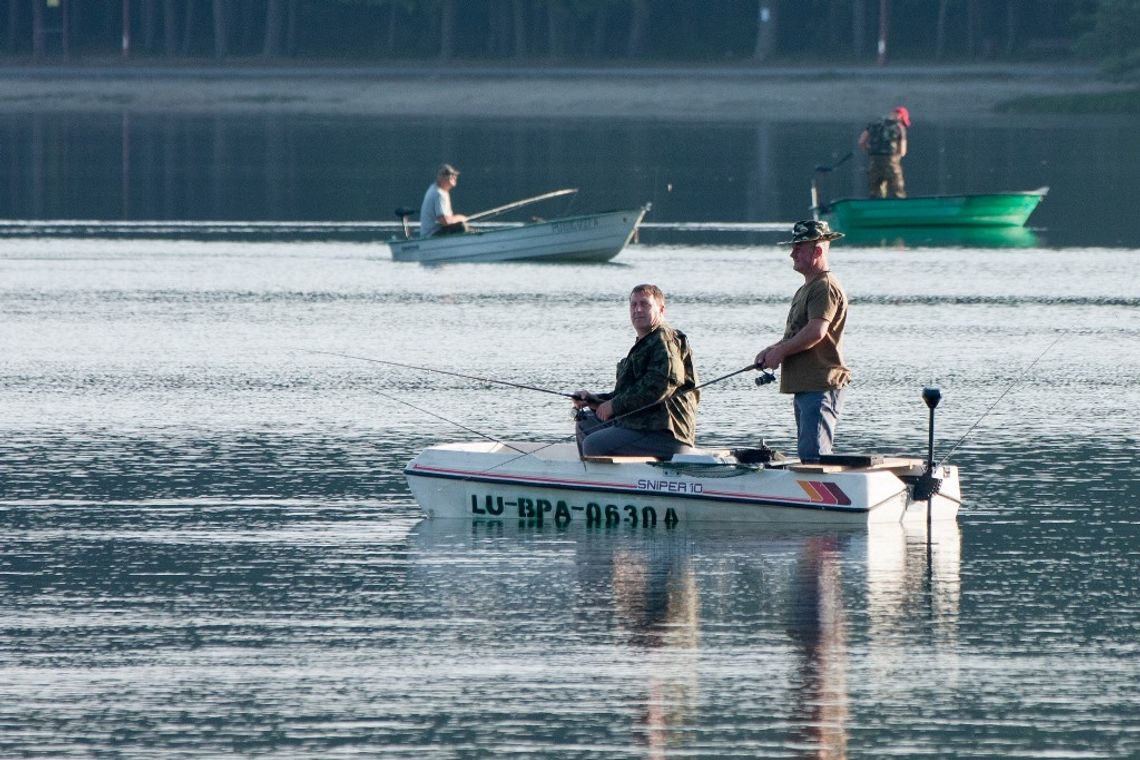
(208, 548)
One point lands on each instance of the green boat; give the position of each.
(986, 210)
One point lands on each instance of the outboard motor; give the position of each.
(403, 213)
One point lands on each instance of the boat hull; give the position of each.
(534, 483)
(587, 238)
(989, 210)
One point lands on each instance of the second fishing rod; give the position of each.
(764, 378)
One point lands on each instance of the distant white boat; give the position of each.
(588, 238)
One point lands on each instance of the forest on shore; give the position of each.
(569, 31)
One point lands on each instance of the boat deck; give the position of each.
(568, 452)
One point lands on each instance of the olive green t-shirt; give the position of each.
(821, 367)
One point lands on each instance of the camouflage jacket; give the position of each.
(885, 136)
(655, 386)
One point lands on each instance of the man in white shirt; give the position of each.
(436, 217)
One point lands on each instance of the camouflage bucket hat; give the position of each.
(811, 230)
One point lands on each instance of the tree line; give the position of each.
(794, 31)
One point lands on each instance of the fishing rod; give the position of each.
(441, 372)
(518, 204)
(612, 420)
(765, 378)
(815, 204)
(1010, 387)
(836, 165)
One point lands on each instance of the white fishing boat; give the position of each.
(532, 482)
(585, 238)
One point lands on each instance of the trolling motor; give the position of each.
(928, 485)
(403, 213)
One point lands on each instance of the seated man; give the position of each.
(652, 410)
(436, 217)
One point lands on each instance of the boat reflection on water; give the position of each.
(818, 629)
(904, 574)
(657, 606)
(672, 609)
(942, 237)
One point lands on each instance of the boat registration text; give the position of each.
(574, 225)
(561, 512)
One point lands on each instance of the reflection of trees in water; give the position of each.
(273, 165)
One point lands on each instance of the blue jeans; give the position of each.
(817, 413)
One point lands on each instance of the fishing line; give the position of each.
(1014, 384)
(459, 425)
(440, 372)
(409, 404)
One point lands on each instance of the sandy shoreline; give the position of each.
(740, 94)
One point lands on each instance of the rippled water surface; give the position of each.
(208, 547)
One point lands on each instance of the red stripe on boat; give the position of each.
(813, 491)
(837, 492)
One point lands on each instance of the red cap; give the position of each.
(904, 115)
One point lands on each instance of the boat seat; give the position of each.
(842, 463)
(817, 468)
(698, 456)
(608, 459)
(852, 460)
(717, 453)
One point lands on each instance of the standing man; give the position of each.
(435, 212)
(884, 142)
(652, 410)
(811, 350)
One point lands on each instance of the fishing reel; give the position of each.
(765, 377)
(585, 412)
